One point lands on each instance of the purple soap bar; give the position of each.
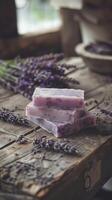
(62, 128)
(59, 129)
(57, 115)
(58, 98)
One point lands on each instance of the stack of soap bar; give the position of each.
(59, 111)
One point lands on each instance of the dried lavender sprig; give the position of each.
(67, 66)
(7, 115)
(21, 140)
(50, 56)
(56, 146)
(106, 112)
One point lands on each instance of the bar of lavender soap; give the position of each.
(58, 115)
(58, 129)
(58, 98)
(63, 129)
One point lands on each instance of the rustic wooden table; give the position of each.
(48, 175)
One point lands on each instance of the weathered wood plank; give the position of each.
(11, 196)
(89, 180)
(102, 95)
(76, 61)
(16, 151)
(18, 103)
(9, 132)
(4, 94)
(5, 139)
(53, 167)
(89, 80)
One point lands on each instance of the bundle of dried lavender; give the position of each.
(24, 75)
(7, 115)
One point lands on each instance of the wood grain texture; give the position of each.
(9, 196)
(4, 94)
(5, 139)
(89, 80)
(17, 103)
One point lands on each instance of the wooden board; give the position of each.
(52, 175)
(5, 139)
(17, 103)
(4, 94)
